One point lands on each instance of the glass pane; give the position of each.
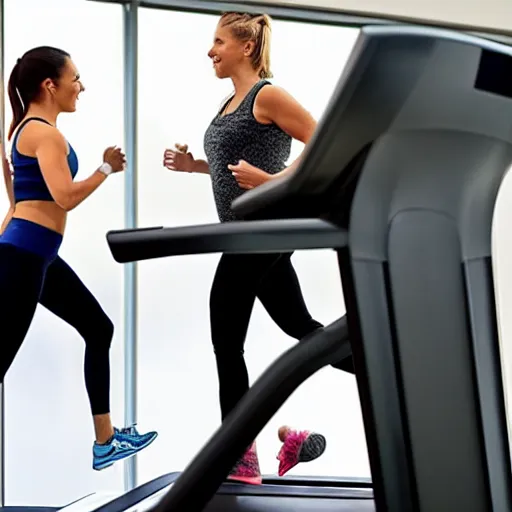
(177, 383)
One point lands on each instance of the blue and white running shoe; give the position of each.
(125, 443)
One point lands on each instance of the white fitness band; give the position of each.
(105, 168)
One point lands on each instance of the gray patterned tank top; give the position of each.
(239, 136)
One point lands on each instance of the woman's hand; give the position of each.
(116, 158)
(248, 176)
(179, 159)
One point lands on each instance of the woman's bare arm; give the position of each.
(51, 154)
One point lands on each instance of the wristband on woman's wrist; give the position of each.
(105, 168)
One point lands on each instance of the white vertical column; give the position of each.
(130, 276)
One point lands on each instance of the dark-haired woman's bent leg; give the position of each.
(65, 295)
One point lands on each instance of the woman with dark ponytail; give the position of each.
(43, 84)
(14, 98)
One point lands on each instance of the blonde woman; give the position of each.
(247, 144)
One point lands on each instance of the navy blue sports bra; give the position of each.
(28, 183)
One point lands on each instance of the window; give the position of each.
(177, 380)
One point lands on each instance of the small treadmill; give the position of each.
(401, 179)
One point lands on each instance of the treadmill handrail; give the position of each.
(229, 237)
(195, 487)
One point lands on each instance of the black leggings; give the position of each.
(239, 279)
(27, 279)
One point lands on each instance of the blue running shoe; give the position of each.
(125, 443)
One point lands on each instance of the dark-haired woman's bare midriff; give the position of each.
(46, 213)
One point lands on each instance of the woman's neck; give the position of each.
(48, 114)
(243, 83)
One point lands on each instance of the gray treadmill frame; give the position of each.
(396, 466)
(369, 272)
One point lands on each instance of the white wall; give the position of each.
(177, 385)
(49, 432)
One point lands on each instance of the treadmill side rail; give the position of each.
(230, 237)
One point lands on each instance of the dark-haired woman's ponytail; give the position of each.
(18, 110)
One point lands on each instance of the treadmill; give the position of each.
(400, 179)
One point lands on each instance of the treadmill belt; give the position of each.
(295, 495)
(234, 503)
